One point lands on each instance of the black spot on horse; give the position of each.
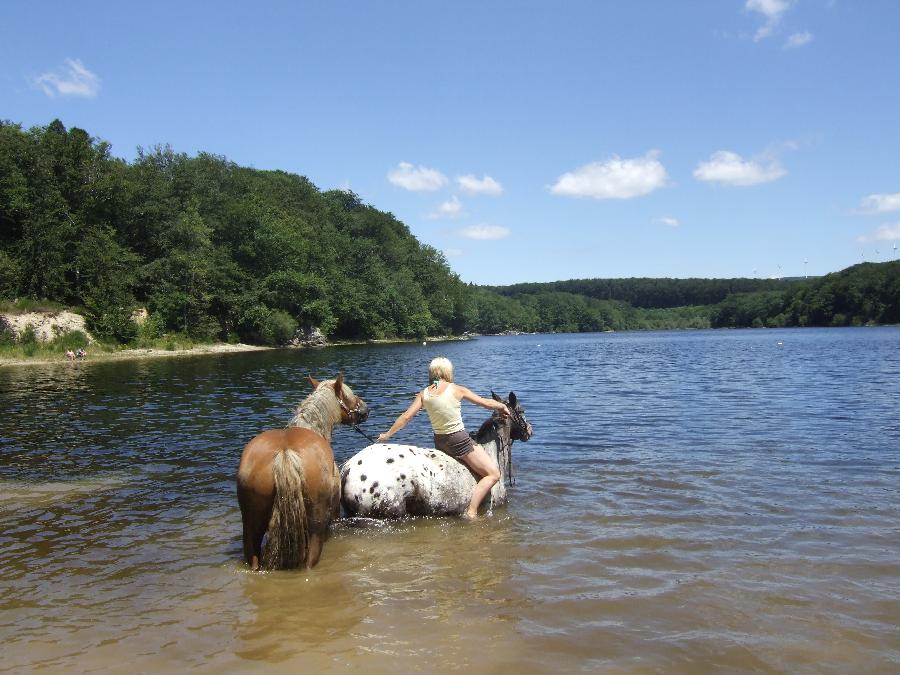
(359, 462)
(375, 484)
(401, 455)
(362, 478)
(390, 460)
(371, 489)
(403, 476)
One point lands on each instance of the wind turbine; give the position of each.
(805, 262)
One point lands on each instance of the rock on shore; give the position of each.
(47, 325)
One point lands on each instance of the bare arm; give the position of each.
(488, 403)
(404, 419)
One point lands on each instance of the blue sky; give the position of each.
(529, 141)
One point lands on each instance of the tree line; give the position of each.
(216, 251)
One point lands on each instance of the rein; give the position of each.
(356, 428)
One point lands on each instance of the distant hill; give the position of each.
(215, 251)
(867, 293)
(652, 292)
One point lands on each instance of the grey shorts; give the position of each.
(458, 444)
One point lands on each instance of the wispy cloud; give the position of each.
(416, 178)
(887, 232)
(70, 79)
(615, 178)
(772, 11)
(667, 220)
(485, 232)
(729, 168)
(484, 186)
(881, 203)
(452, 208)
(798, 40)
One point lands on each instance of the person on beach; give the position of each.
(70, 355)
(442, 401)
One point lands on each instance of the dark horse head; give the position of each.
(519, 427)
(505, 430)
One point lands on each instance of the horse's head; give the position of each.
(520, 427)
(353, 409)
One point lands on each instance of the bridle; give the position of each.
(351, 412)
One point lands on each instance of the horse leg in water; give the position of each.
(256, 511)
(321, 512)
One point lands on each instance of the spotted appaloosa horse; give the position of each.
(288, 485)
(387, 480)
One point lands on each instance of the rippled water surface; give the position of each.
(690, 501)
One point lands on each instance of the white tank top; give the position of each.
(443, 410)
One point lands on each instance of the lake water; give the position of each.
(690, 501)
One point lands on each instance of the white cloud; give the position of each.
(614, 179)
(484, 186)
(71, 79)
(887, 232)
(452, 208)
(486, 232)
(881, 203)
(667, 220)
(416, 178)
(798, 40)
(772, 10)
(730, 168)
(452, 252)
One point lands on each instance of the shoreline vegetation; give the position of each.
(170, 253)
(49, 354)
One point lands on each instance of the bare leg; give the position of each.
(479, 461)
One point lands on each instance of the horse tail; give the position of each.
(288, 536)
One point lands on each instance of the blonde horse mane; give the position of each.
(319, 411)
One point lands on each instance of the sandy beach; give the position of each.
(97, 355)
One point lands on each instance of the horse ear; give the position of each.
(512, 399)
(339, 385)
(313, 381)
(495, 397)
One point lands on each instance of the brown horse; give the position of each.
(288, 485)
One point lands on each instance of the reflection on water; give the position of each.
(690, 501)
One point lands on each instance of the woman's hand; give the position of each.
(383, 437)
(504, 411)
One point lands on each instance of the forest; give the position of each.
(219, 252)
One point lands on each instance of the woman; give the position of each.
(441, 400)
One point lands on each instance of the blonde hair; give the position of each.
(440, 368)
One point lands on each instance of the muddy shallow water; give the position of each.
(694, 500)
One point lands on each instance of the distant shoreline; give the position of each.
(132, 354)
(198, 350)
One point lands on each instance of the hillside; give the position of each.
(217, 252)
